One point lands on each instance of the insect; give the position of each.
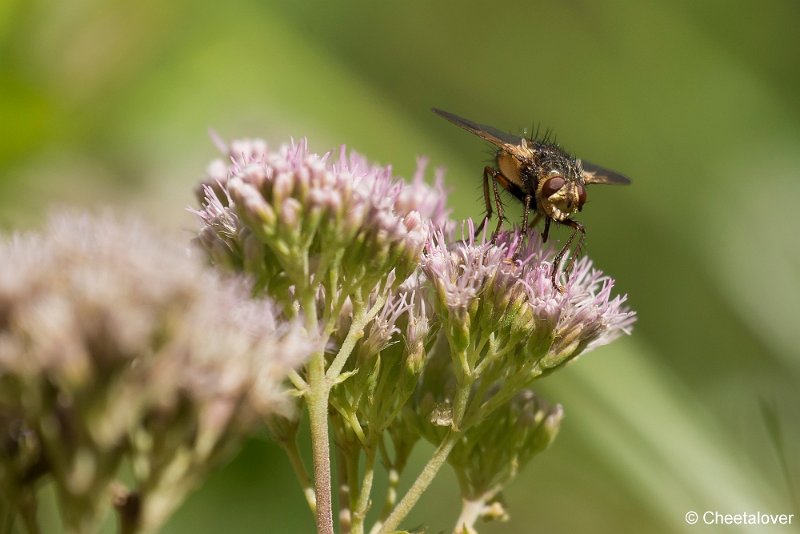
(547, 180)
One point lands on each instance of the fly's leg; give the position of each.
(577, 228)
(546, 231)
(487, 171)
(525, 211)
(491, 174)
(497, 202)
(576, 253)
(524, 234)
(535, 221)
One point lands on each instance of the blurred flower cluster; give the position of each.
(427, 332)
(123, 358)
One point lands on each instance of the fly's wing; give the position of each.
(505, 141)
(595, 174)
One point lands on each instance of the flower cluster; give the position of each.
(295, 219)
(492, 452)
(336, 239)
(119, 352)
(497, 301)
(425, 335)
(505, 324)
(386, 364)
(117, 347)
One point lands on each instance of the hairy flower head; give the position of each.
(505, 325)
(338, 224)
(497, 298)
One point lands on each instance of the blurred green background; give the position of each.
(109, 103)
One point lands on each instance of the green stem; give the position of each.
(391, 493)
(477, 402)
(421, 483)
(360, 320)
(434, 464)
(510, 387)
(297, 380)
(345, 516)
(391, 497)
(290, 447)
(362, 504)
(355, 426)
(353, 456)
(317, 400)
(318, 393)
(394, 469)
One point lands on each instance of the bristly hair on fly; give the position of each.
(547, 137)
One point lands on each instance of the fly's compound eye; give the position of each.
(551, 186)
(581, 196)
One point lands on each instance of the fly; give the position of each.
(549, 182)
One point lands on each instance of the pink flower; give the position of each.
(316, 217)
(503, 289)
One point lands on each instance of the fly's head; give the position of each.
(561, 191)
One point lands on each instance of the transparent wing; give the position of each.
(499, 139)
(595, 174)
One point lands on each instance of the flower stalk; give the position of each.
(317, 401)
(431, 468)
(299, 468)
